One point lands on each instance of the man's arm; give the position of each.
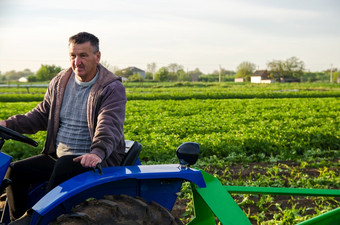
(3, 123)
(33, 121)
(110, 120)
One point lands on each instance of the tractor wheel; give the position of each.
(117, 210)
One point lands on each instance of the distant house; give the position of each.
(23, 80)
(261, 76)
(137, 70)
(239, 80)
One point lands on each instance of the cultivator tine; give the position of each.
(215, 200)
(329, 218)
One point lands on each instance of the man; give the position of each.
(83, 112)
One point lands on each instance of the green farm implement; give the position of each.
(215, 200)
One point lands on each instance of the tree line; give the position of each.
(45, 73)
(289, 69)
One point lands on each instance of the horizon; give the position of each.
(195, 34)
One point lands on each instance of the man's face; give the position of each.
(83, 61)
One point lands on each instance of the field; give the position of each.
(277, 135)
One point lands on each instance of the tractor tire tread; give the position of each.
(117, 210)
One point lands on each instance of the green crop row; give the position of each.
(180, 91)
(21, 97)
(23, 90)
(238, 129)
(184, 95)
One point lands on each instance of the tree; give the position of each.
(336, 76)
(47, 72)
(183, 76)
(136, 78)
(149, 76)
(151, 68)
(175, 71)
(195, 72)
(26, 73)
(42, 74)
(291, 69)
(12, 75)
(226, 75)
(16, 75)
(162, 74)
(245, 70)
(193, 75)
(277, 69)
(213, 77)
(174, 67)
(295, 67)
(32, 78)
(124, 73)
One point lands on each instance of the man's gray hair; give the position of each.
(83, 37)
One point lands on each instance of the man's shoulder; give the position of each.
(106, 77)
(60, 75)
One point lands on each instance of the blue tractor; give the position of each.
(141, 194)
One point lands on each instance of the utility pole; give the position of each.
(331, 76)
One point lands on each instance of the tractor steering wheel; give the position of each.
(6, 134)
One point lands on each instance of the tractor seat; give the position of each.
(132, 150)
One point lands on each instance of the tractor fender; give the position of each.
(5, 160)
(118, 177)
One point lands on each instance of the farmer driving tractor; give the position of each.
(83, 112)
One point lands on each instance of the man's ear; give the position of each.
(98, 54)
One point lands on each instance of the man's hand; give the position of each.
(2, 123)
(88, 160)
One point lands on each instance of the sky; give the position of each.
(204, 34)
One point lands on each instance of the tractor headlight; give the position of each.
(187, 153)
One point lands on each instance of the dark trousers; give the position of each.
(37, 169)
